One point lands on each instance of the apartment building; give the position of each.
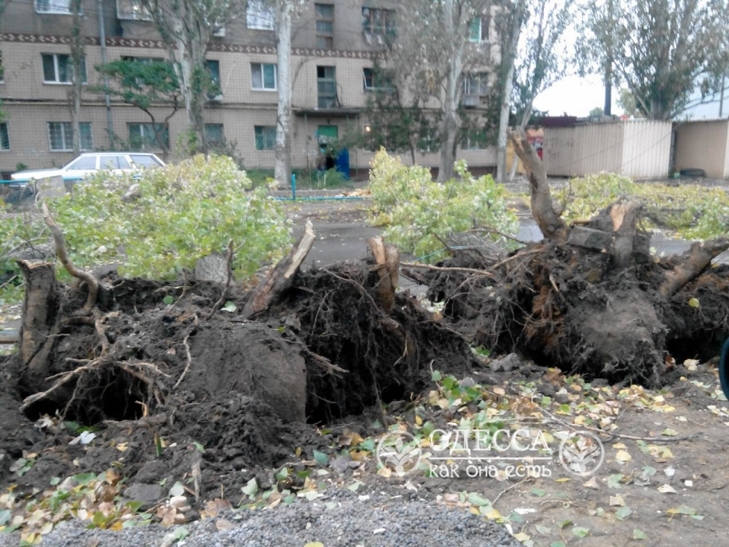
(335, 43)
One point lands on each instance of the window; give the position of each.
(263, 76)
(113, 162)
(145, 161)
(60, 136)
(132, 9)
(214, 133)
(142, 60)
(380, 22)
(148, 136)
(473, 140)
(58, 68)
(53, 6)
(4, 137)
(326, 86)
(476, 84)
(324, 26)
(479, 31)
(259, 16)
(214, 91)
(83, 164)
(380, 80)
(265, 137)
(429, 140)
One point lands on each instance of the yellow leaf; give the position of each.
(474, 510)
(314, 544)
(384, 472)
(499, 391)
(298, 451)
(521, 536)
(122, 447)
(494, 515)
(622, 456)
(116, 526)
(563, 479)
(694, 303)
(418, 420)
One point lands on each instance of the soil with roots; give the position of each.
(162, 376)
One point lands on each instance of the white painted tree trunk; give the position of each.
(282, 166)
(77, 58)
(508, 57)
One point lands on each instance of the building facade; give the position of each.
(335, 44)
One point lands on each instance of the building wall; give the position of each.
(30, 103)
(703, 145)
(638, 149)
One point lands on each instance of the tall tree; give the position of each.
(542, 58)
(509, 25)
(186, 27)
(438, 44)
(663, 51)
(77, 72)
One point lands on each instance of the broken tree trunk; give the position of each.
(39, 323)
(625, 218)
(693, 262)
(387, 264)
(549, 222)
(281, 276)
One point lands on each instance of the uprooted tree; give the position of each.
(590, 298)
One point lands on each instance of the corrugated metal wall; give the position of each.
(646, 149)
(638, 149)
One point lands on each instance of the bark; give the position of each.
(77, 58)
(507, 67)
(280, 277)
(449, 127)
(282, 167)
(549, 222)
(387, 264)
(693, 262)
(40, 309)
(625, 217)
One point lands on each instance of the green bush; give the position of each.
(692, 211)
(176, 215)
(417, 211)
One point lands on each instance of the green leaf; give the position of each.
(229, 307)
(55, 481)
(580, 532)
(321, 458)
(168, 300)
(639, 534)
(538, 492)
(557, 544)
(477, 500)
(694, 303)
(368, 445)
(177, 490)
(84, 478)
(623, 512)
(251, 488)
(436, 376)
(613, 481)
(200, 448)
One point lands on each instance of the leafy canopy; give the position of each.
(175, 216)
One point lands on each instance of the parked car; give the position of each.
(91, 162)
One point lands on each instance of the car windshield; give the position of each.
(82, 164)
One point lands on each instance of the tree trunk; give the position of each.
(77, 59)
(449, 126)
(387, 265)
(40, 308)
(282, 167)
(549, 222)
(692, 263)
(507, 70)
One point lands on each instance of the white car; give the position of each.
(92, 162)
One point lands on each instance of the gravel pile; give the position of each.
(339, 519)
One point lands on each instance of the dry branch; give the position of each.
(692, 263)
(446, 269)
(62, 254)
(228, 279)
(281, 276)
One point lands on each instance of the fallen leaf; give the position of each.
(224, 524)
(617, 501)
(666, 489)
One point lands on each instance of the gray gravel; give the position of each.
(339, 519)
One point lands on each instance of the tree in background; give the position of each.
(663, 51)
(437, 44)
(186, 27)
(144, 84)
(78, 75)
(541, 58)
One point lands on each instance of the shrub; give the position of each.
(692, 211)
(418, 211)
(177, 215)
